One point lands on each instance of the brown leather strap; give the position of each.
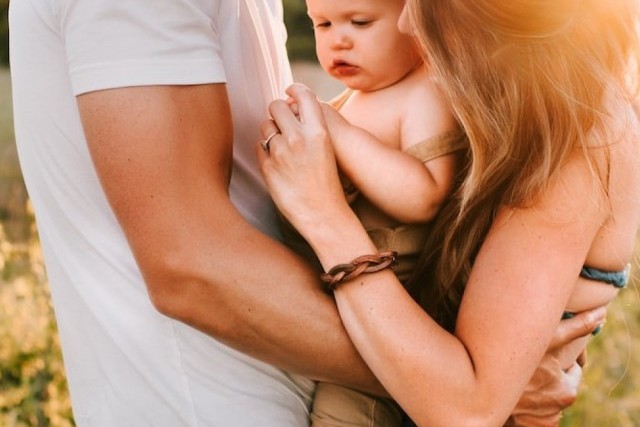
(363, 264)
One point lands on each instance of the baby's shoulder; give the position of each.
(420, 95)
(424, 110)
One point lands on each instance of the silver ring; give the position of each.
(265, 142)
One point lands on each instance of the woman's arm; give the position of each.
(518, 288)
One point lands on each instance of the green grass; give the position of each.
(32, 391)
(8, 159)
(12, 192)
(609, 393)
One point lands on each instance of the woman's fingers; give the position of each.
(261, 153)
(582, 324)
(302, 126)
(268, 127)
(307, 104)
(301, 111)
(296, 158)
(298, 118)
(283, 117)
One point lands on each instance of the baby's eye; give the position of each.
(360, 22)
(325, 24)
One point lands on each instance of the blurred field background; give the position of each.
(32, 382)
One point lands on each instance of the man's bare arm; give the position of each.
(163, 155)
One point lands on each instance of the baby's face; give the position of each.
(358, 42)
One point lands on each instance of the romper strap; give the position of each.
(340, 99)
(439, 145)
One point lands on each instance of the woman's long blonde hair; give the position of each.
(526, 80)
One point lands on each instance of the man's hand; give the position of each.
(554, 387)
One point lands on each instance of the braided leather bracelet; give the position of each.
(363, 264)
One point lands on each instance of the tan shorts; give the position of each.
(337, 406)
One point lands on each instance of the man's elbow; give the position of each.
(178, 291)
(166, 296)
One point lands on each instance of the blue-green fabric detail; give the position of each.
(618, 279)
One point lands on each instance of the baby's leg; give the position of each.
(337, 406)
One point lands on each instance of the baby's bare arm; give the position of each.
(397, 183)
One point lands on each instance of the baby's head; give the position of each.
(358, 42)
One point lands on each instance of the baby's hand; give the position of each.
(336, 124)
(294, 106)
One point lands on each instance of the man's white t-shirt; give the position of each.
(127, 365)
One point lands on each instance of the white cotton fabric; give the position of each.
(126, 364)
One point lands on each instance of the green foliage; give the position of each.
(33, 387)
(300, 44)
(609, 392)
(8, 158)
(4, 32)
(12, 192)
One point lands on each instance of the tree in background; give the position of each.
(4, 32)
(300, 44)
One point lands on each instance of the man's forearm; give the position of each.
(253, 294)
(163, 156)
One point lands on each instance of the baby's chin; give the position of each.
(368, 85)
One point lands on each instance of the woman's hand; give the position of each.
(554, 387)
(298, 163)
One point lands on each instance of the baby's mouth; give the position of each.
(343, 68)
